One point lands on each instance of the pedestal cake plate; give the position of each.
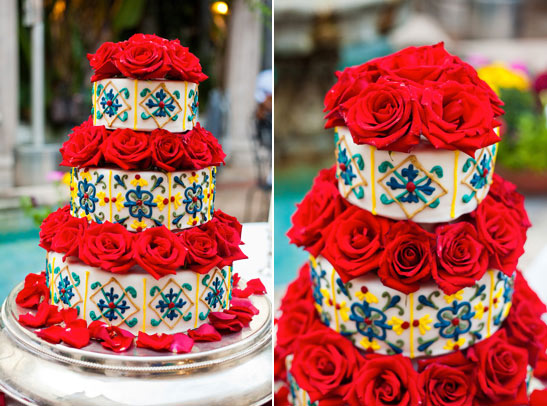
(236, 370)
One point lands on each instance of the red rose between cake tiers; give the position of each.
(140, 249)
(411, 295)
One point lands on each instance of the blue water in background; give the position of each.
(20, 255)
(291, 185)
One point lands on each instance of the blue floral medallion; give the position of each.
(161, 104)
(87, 196)
(454, 320)
(109, 102)
(369, 321)
(140, 203)
(112, 305)
(215, 294)
(193, 198)
(171, 304)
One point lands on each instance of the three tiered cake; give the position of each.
(141, 249)
(411, 295)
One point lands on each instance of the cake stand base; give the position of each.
(235, 371)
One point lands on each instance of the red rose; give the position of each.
(68, 238)
(444, 385)
(354, 242)
(501, 370)
(202, 250)
(417, 64)
(127, 149)
(500, 233)
(385, 115)
(321, 205)
(51, 225)
(296, 321)
(523, 293)
(538, 397)
(506, 192)
(462, 259)
(83, 147)
(184, 64)
(458, 117)
(144, 57)
(228, 220)
(526, 330)
(102, 61)
(168, 150)
(385, 380)
(158, 252)
(351, 81)
(324, 364)
(202, 149)
(299, 289)
(228, 241)
(408, 258)
(108, 246)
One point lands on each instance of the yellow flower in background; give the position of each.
(366, 344)
(66, 179)
(500, 76)
(450, 298)
(454, 345)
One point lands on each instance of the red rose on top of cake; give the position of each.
(146, 56)
(391, 102)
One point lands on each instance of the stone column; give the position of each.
(9, 90)
(242, 66)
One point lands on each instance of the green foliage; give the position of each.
(517, 103)
(36, 213)
(527, 147)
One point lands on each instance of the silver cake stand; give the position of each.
(236, 371)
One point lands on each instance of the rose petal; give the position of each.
(181, 343)
(158, 342)
(205, 332)
(52, 334)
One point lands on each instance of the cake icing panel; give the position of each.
(136, 301)
(424, 323)
(142, 199)
(144, 105)
(426, 185)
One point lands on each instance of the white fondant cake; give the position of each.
(425, 323)
(145, 105)
(136, 301)
(142, 199)
(426, 186)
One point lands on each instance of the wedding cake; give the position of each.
(411, 295)
(140, 252)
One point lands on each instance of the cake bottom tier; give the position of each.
(136, 301)
(321, 367)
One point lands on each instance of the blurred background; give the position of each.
(45, 91)
(506, 40)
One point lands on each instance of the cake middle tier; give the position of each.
(136, 301)
(427, 185)
(142, 199)
(424, 323)
(145, 105)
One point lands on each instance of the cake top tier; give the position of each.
(417, 95)
(146, 56)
